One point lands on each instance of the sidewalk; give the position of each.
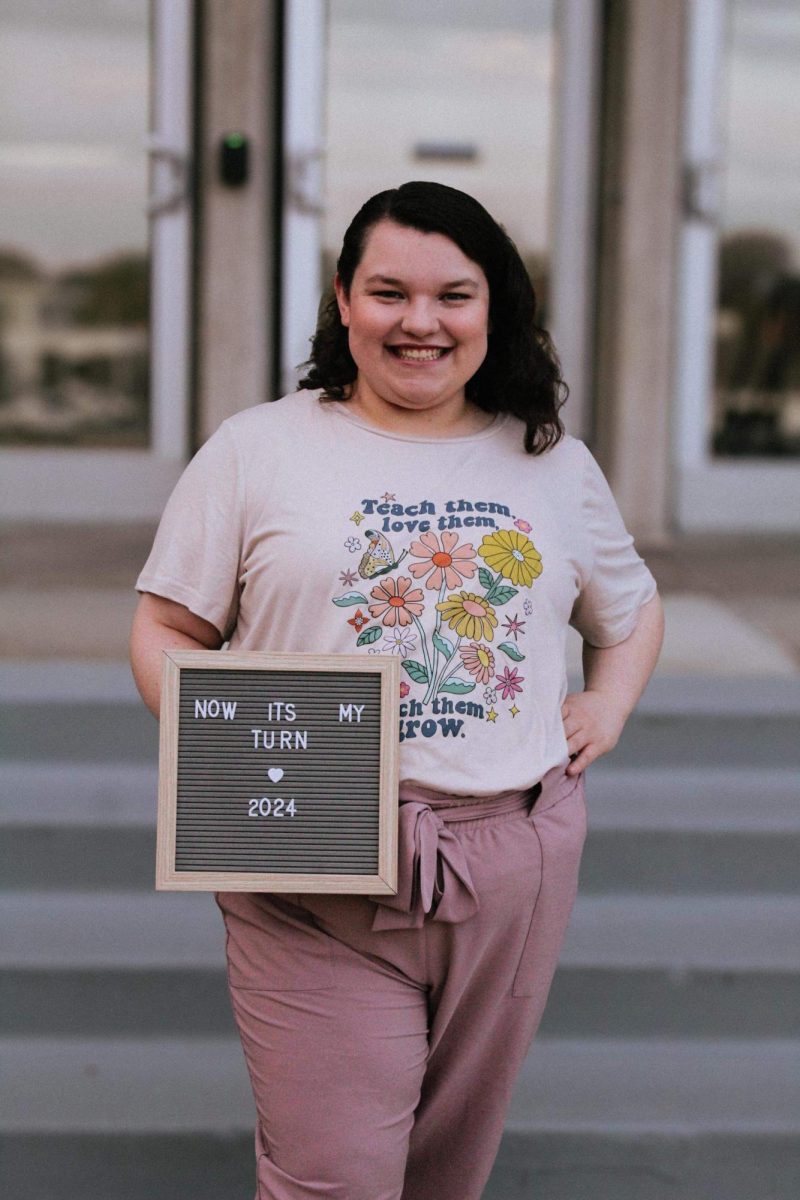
(732, 603)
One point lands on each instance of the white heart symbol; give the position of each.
(275, 774)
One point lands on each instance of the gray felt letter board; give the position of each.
(278, 773)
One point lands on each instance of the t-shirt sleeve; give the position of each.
(197, 550)
(616, 582)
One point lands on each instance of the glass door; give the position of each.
(738, 414)
(94, 310)
(469, 94)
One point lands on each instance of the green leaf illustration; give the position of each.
(511, 650)
(441, 643)
(368, 636)
(349, 599)
(486, 577)
(459, 686)
(501, 595)
(416, 671)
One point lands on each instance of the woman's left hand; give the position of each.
(592, 727)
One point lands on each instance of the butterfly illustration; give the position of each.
(379, 557)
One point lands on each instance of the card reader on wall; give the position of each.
(234, 159)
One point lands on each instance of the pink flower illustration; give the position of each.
(479, 661)
(404, 689)
(510, 682)
(524, 526)
(396, 604)
(444, 562)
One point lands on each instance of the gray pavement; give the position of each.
(732, 602)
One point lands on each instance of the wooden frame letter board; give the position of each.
(278, 773)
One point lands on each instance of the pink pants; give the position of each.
(383, 1042)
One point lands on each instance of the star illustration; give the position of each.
(514, 626)
(387, 496)
(348, 578)
(513, 710)
(491, 715)
(357, 518)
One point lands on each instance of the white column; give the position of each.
(572, 203)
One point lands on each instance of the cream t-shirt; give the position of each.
(300, 527)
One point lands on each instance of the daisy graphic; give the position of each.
(395, 603)
(352, 544)
(446, 563)
(512, 554)
(527, 608)
(478, 660)
(469, 615)
(400, 641)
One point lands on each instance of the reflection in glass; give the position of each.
(757, 392)
(73, 234)
(456, 93)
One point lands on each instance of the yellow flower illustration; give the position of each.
(469, 615)
(512, 554)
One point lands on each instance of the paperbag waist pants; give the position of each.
(383, 1036)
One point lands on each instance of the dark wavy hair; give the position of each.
(520, 374)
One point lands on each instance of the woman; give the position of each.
(419, 497)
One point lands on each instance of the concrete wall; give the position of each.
(237, 246)
(639, 224)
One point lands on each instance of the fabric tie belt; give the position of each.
(433, 876)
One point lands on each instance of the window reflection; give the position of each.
(424, 90)
(757, 392)
(73, 237)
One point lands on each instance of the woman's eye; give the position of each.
(450, 296)
(388, 295)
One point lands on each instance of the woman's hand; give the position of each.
(592, 727)
(614, 677)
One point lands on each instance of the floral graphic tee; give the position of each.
(298, 527)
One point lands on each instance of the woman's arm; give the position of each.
(614, 679)
(161, 624)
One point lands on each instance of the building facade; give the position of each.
(643, 156)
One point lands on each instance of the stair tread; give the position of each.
(81, 930)
(690, 799)
(144, 1085)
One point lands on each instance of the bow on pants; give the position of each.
(433, 876)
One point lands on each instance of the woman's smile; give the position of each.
(419, 354)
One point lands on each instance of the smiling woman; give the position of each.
(417, 314)
(301, 526)
(432, 325)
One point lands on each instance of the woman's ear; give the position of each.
(341, 300)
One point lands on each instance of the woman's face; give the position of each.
(417, 316)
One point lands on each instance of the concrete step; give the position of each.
(90, 712)
(136, 964)
(714, 830)
(620, 1118)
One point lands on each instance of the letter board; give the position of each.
(278, 772)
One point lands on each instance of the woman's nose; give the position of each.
(420, 319)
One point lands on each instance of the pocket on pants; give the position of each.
(272, 945)
(561, 832)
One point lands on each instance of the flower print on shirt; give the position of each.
(448, 630)
(446, 564)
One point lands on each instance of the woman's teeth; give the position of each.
(418, 355)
